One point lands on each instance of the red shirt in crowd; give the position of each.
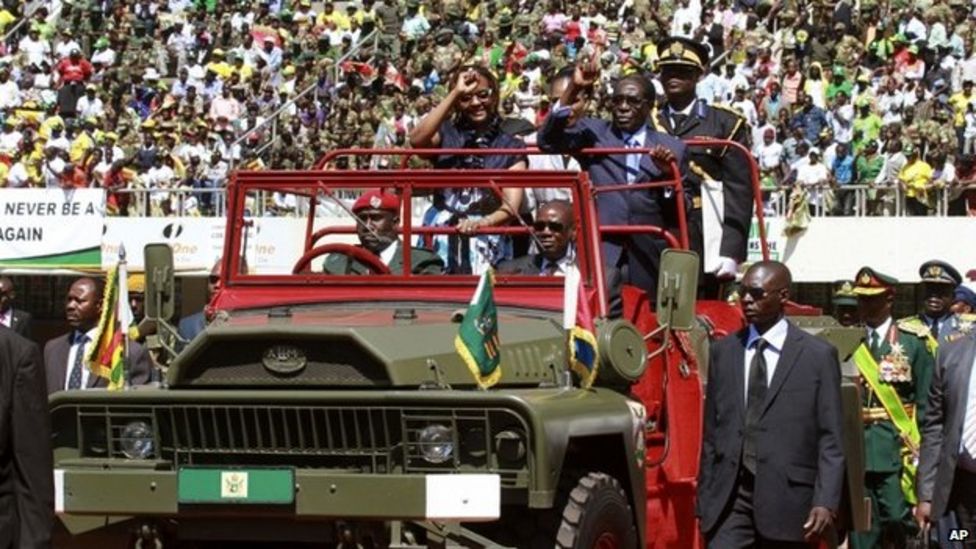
(73, 71)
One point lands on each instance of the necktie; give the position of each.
(969, 430)
(633, 160)
(875, 344)
(74, 381)
(678, 120)
(757, 396)
(550, 268)
(935, 329)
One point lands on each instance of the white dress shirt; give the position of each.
(386, 256)
(7, 318)
(881, 330)
(966, 460)
(775, 339)
(85, 370)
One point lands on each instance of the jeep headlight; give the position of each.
(436, 443)
(136, 440)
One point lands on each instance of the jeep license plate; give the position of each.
(236, 486)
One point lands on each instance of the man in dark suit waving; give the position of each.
(15, 319)
(553, 230)
(630, 259)
(772, 467)
(26, 482)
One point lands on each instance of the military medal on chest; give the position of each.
(894, 366)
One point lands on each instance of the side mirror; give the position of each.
(677, 288)
(160, 285)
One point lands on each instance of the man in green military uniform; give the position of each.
(682, 63)
(936, 324)
(896, 371)
(379, 217)
(844, 302)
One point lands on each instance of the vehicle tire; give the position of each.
(596, 515)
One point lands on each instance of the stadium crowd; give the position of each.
(168, 94)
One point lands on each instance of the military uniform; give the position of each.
(937, 331)
(904, 365)
(844, 302)
(710, 163)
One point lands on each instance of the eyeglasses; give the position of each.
(756, 292)
(482, 95)
(631, 100)
(553, 226)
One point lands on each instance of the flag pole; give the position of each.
(571, 281)
(121, 305)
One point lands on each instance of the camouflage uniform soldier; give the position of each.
(447, 55)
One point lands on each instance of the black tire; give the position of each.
(597, 515)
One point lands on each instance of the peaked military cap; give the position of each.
(844, 293)
(870, 282)
(677, 50)
(939, 272)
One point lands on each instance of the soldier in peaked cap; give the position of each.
(895, 376)
(378, 216)
(936, 323)
(844, 302)
(682, 63)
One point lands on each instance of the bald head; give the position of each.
(764, 292)
(7, 294)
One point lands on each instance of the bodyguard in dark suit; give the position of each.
(631, 259)
(64, 363)
(683, 115)
(553, 230)
(772, 467)
(17, 320)
(379, 217)
(26, 481)
(947, 464)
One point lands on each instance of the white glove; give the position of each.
(727, 268)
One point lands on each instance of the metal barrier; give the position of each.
(863, 200)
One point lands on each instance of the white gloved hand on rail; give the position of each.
(727, 268)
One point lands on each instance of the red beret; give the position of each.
(377, 201)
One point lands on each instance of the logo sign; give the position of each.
(233, 484)
(284, 359)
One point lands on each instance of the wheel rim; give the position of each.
(607, 540)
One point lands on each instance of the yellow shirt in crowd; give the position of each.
(916, 177)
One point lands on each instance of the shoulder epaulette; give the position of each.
(727, 108)
(967, 317)
(913, 325)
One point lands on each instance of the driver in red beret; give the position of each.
(379, 218)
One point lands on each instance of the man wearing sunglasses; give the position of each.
(190, 326)
(728, 214)
(772, 465)
(629, 259)
(553, 230)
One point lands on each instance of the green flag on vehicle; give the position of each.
(477, 339)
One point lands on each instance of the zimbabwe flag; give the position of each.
(106, 357)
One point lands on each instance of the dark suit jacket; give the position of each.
(26, 481)
(943, 422)
(423, 261)
(21, 322)
(526, 265)
(638, 207)
(800, 460)
(56, 365)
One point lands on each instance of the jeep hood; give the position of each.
(368, 345)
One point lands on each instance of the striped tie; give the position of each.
(969, 427)
(633, 160)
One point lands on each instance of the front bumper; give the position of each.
(317, 494)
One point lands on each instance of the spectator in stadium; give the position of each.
(474, 123)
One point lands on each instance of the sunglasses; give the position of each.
(213, 279)
(631, 100)
(553, 226)
(483, 95)
(756, 293)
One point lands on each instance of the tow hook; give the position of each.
(147, 537)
